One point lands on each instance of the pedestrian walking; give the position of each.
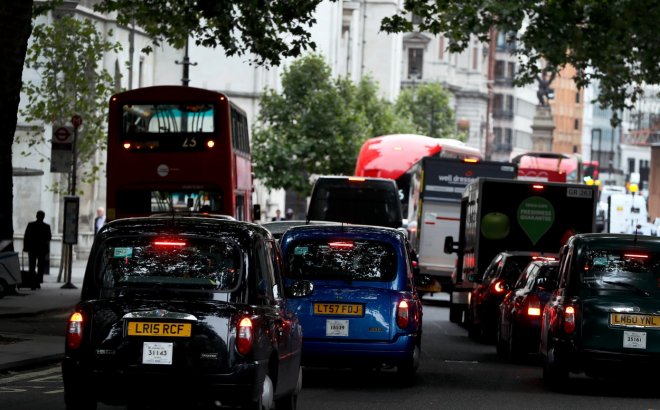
(99, 221)
(36, 243)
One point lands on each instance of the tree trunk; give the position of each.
(15, 30)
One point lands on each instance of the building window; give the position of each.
(631, 165)
(576, 125)
(499, 69)
(475, 57)
(415, 62)
(141, 72)
(577, 97)
(417, 20)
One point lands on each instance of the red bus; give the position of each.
(177, 149)
(549, 167)
(392, 156)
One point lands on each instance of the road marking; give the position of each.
(4, 389)
(54, 391)
(26, 376)
(462, 361)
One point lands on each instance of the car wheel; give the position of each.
(407, 371)
(290, 401)
(265, 400)
(501, 344)
(455, 314)
(4, 289)
(77, 400)
(555, 374)
(514, 350)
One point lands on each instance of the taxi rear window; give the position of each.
(359, 260)
(183, 263)
(621, 269)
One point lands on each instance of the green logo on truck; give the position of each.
(535, 216)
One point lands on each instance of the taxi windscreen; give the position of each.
(358, 260)
(621, 269)
(181, 263)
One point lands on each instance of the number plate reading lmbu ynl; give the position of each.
(159, 329)
(338, 309)
(628, 320)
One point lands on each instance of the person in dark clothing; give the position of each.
(99, 221)
(36, 243)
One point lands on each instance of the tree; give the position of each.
(612, 41)
(427, 105)
(269, 30)
(316, 125)
(71, 82)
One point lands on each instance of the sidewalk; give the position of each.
(19, 350)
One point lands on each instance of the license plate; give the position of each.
(159, 329)
(338, 309)
(634, 340)
(336, 327)
(624, 319)
(157, 353)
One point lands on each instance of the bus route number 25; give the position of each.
(190, 142)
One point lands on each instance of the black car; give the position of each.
(519, 324)
(499, 277)
(185, 310)
(604, 317)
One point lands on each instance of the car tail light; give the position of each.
(244, 336)
(569, 319)
(499, 286)
(341, 244)
(74, 330)
(533, 306)
(402, 314)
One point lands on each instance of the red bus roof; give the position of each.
(390, 156)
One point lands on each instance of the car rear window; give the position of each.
(341, 259)
(182, 263)
(621, 269)
(513, 267)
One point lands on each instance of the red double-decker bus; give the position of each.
(549, 167)
(392, 156)
(177, 149)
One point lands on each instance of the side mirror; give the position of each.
(300, 288)
(256, 212)
(449, 244)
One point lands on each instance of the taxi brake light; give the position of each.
(127, 145)
(569, 319)
(341, 245)
(471, 160)
(402, 314)
(244, 336)
(538, 186)
(74, 330)
(169, 243)
(356, 179)
(499, 287)
(210, 143)
(635, 255)
(533, 306)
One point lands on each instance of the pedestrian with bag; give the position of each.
(36, 243)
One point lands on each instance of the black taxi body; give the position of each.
(183, 308)
(604, 317)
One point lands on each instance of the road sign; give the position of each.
(76, 120)
(63, 135)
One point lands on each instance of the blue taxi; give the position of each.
(356, 297)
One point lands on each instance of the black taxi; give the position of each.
(183, 310)
(604, 317)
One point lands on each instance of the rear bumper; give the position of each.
(334, 353)
(606, 363)
(120, 386)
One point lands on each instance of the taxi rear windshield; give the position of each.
(182, 263)
(341, 260)
(624, 270)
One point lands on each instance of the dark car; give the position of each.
(519, 324)
(363, 310)
(604, 317)
(499, 277)
(184, 310)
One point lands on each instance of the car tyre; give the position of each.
(407, 371)
(265, 400)
(501, 345)
(455, 314)
(555, 374)
(515, 352)
(78, 401)
(290, 401)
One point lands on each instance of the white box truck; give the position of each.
(434, 208)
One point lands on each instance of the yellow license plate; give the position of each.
(159, 329)
(338, 309)
(625, 319)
